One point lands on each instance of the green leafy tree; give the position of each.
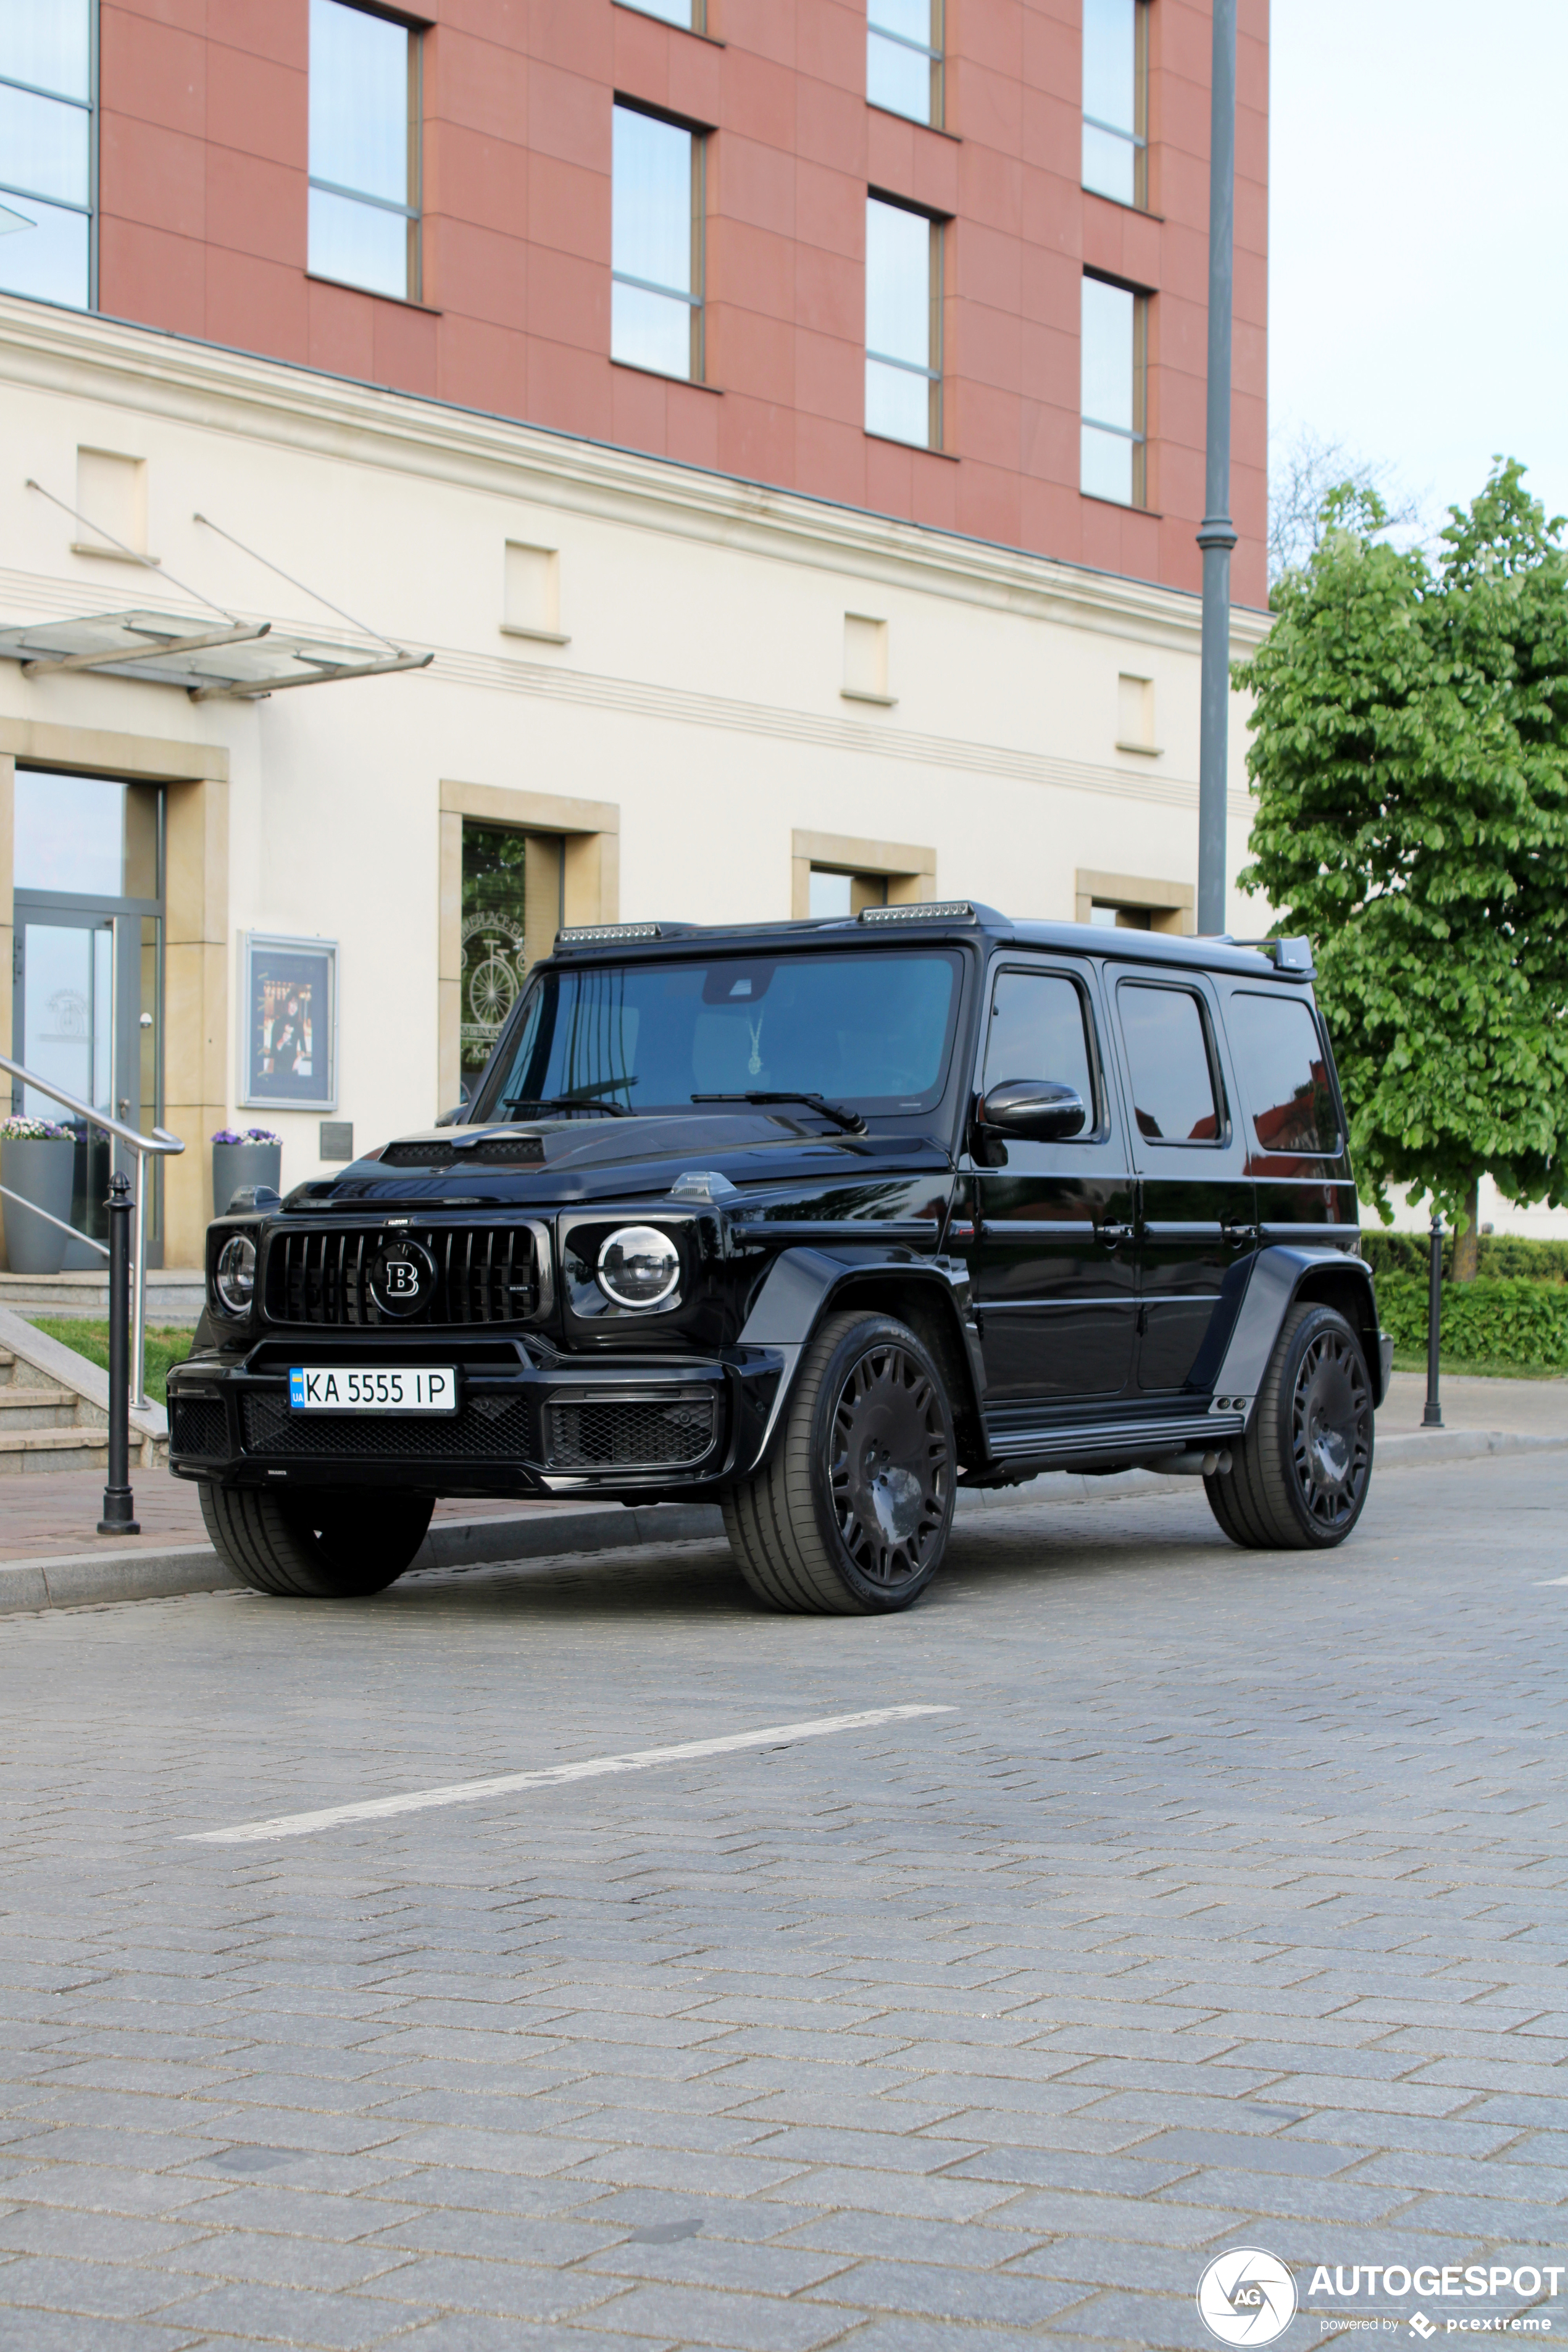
(1410, 757)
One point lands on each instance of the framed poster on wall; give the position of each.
(288, 1023)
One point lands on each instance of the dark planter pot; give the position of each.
(236, 1164)
(41, 1173)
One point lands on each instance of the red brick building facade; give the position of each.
(202, 209)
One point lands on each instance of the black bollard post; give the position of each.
(119, 1503)
(1432, 1416)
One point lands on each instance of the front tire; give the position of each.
(336, 1544)
(851, 1515)
(1301, 1473)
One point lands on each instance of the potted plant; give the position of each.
(254, 1158)
(37, 1160)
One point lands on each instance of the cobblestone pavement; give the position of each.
(1224, 1909)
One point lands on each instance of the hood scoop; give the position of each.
(498, 1148)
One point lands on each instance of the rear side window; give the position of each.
(1284, 1073)
(1038, 1031)
(1168, 1061)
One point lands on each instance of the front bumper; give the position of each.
(633, 1429)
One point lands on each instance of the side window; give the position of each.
(1168, 1061)
(1284, 1073)
(1036, 1030)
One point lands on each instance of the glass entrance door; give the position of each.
(88, 1001)
(77, 1017)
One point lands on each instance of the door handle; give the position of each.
(1239, 1236)
(1112, 1233)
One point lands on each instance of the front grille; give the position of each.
(199, 1425)
(484, 1273)
(478, 1431)
(495, 1151)
(624, 1435)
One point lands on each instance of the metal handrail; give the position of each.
(157, 1145)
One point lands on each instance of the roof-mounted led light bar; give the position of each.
(588, 934)
(923, 910)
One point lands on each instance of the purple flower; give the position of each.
(35, 1130)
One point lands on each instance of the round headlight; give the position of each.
(638, 1266)
(235, 1276)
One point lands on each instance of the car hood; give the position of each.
(570, 1160)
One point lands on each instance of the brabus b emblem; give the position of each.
(403, 1278)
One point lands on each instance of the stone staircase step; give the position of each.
(45, 1406)
(53, 1449)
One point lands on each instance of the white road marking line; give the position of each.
(470, 1792)
(1544, 1581)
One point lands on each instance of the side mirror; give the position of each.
(454, 1117)
(1036, 1111)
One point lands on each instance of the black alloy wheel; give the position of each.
(1300, 1475)
(322, 1544)
(1331, 1429)
(892, 1471)
(851, 1512)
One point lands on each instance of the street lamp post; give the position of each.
(1216, 535)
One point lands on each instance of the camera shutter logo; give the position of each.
(1246, 2296)
(403, 1279)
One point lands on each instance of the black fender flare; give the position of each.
(805, 1282)
(1278, 1274)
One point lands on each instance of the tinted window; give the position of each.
(1038, 1031)
(1167, 1057)
(1284, 1073)
(866, 1028)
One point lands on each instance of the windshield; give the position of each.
(871, 1030)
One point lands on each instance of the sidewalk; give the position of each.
(1522, 1408)
(51, 1556)
(46, 1516)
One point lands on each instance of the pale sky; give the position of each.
(1417, 216)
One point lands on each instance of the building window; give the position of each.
(512, 884)
(364, 150)
(837, 897)
(656, 317)
(1115, 339)
(1116, 100)
(903, 57)
(903, 325)
(46, 149)
(691, 15)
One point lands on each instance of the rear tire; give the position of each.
(1301, 1473)
(337, 1544)
(850, 1516)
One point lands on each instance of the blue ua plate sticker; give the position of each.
(385, 1388)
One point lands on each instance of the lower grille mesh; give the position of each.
(626, 1435)
(199, 1425)
(470, 1434)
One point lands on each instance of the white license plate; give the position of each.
(391, 1387)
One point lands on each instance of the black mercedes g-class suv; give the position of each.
(820, 1221)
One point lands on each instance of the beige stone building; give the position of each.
(643, 689)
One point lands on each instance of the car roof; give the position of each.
(1289, 958)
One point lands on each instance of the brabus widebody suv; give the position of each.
(818, 1221)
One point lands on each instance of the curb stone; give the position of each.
(91, 1578)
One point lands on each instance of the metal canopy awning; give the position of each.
(239, 660)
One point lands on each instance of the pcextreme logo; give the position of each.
(1246, 2296)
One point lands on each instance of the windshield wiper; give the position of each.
(580, 1098)
(849, 1122)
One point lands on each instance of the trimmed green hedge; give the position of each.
(1503, 1256)
(1511, 1321)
